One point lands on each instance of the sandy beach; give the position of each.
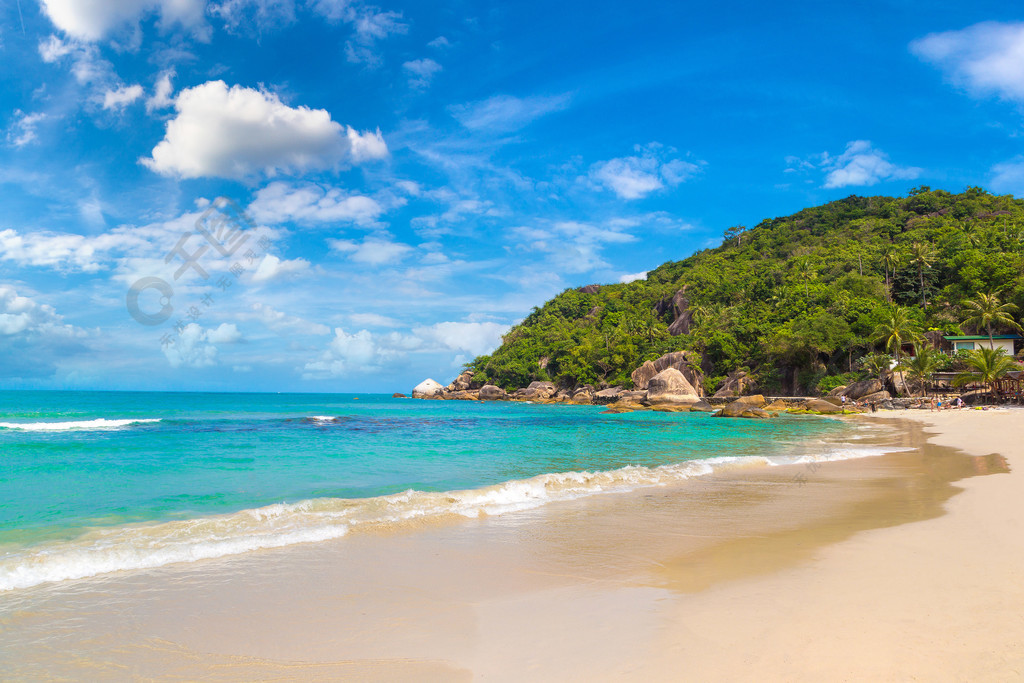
(878, 568)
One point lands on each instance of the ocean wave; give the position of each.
(100, 423)
(146, 546)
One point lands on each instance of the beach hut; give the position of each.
(973, 342)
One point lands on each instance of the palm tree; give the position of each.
(972, 234)
(896, 330)
(921, 255)
(877, 364)
(890, 261)
(923, 365)
(804, 268)
(986, 366)
(985, 311)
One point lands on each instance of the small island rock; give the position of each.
(428, 388)
(489, 392)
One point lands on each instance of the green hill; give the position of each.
(793, 300)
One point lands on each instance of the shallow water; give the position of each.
(96, 482)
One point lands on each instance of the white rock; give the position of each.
(428, 388)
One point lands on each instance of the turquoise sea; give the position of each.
(98, 482)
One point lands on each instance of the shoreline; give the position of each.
(738, 576)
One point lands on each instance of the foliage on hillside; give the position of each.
(792, 299)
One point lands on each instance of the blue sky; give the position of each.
(416, 177)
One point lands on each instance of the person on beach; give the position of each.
(959, 403)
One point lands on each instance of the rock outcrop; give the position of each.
(489, 392)
(466, 395)
(670, 386)
(858, 390)
(537, 391)
(820, 405)
(736, 383)
(462, 382)
(745, 406)
(398, 395)
(685, 362)
(609, 395)
(876, 397)
(428, 388)
(683, 315)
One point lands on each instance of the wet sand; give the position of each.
(863, 569)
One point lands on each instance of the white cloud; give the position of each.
(161, 98)
(226, 333)
(94, 20)
(984, 59)
(474, 338)
(422, 71)
(504, 113)
(439, 42)
(373, 320)
(375, 250)
(272, 268)
(635, 177)
(23, 130)
(1008, 177)
(279, 321)
(192, 348)
(255, 16)
(52, 49)
(861, 165)
(121, 97)
(572, 246)
(633, 277)
(279, 202)
(33, 337)
(61, 251)
(357, 353)
(241, 132)
(370, 24)
(20, 314)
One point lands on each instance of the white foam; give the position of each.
(100, 423)
(147, 546)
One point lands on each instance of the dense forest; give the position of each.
(802, 303)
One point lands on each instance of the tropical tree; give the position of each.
(986, 366)
(805, 269)
(922, 256)
(890, 261)
(985, 312)
(877, 364)
(922, 366)
(896, 330)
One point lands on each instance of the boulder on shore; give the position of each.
(860, 389)
(818, 405)
(745, 406)
(467, 395)
(875, 397)
(685, 362)
(489, 392)
(736, 383)
(670, 386)
(536, 391)
(463, 382)
(428, 388)
(702, 407)
(609, 395)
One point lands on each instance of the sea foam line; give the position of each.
(99, 423)
(146, 546)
